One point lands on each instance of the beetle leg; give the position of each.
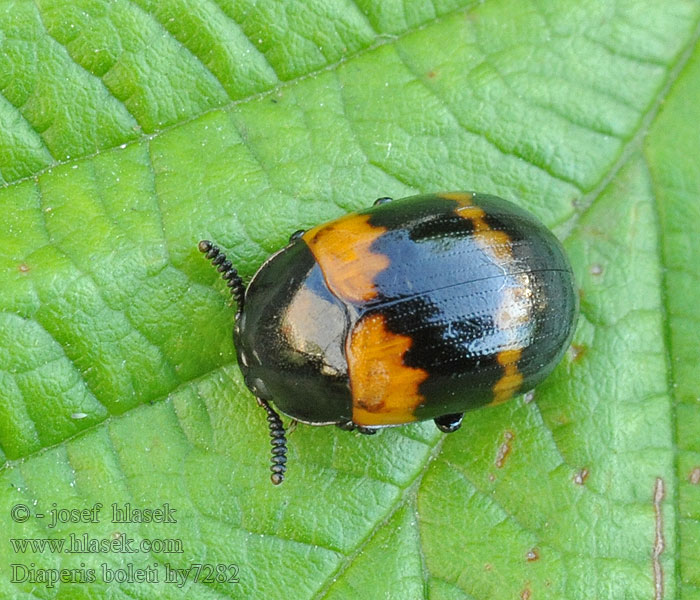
(366, 430)
(449, 423)
(278, 441)
(350, 426)
(296, 235)
(223, 265)
(383, 200)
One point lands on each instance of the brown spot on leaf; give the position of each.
(694, 476)
(576, 351)
(658, 547)
(526, 593)
(504, 449)
(532, 555)
(23, 268)
(581, 476)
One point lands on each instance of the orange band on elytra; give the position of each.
(499, 245)
(343, 250)
(384, 389)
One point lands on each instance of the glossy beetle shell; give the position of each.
(413, 309)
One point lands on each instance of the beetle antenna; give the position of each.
(279, 443)
(223, 265)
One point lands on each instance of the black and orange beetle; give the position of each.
(414, 309)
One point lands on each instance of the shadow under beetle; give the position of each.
(414, 309)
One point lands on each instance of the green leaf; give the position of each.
(131, 130)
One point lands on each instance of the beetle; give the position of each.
(414, 309)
